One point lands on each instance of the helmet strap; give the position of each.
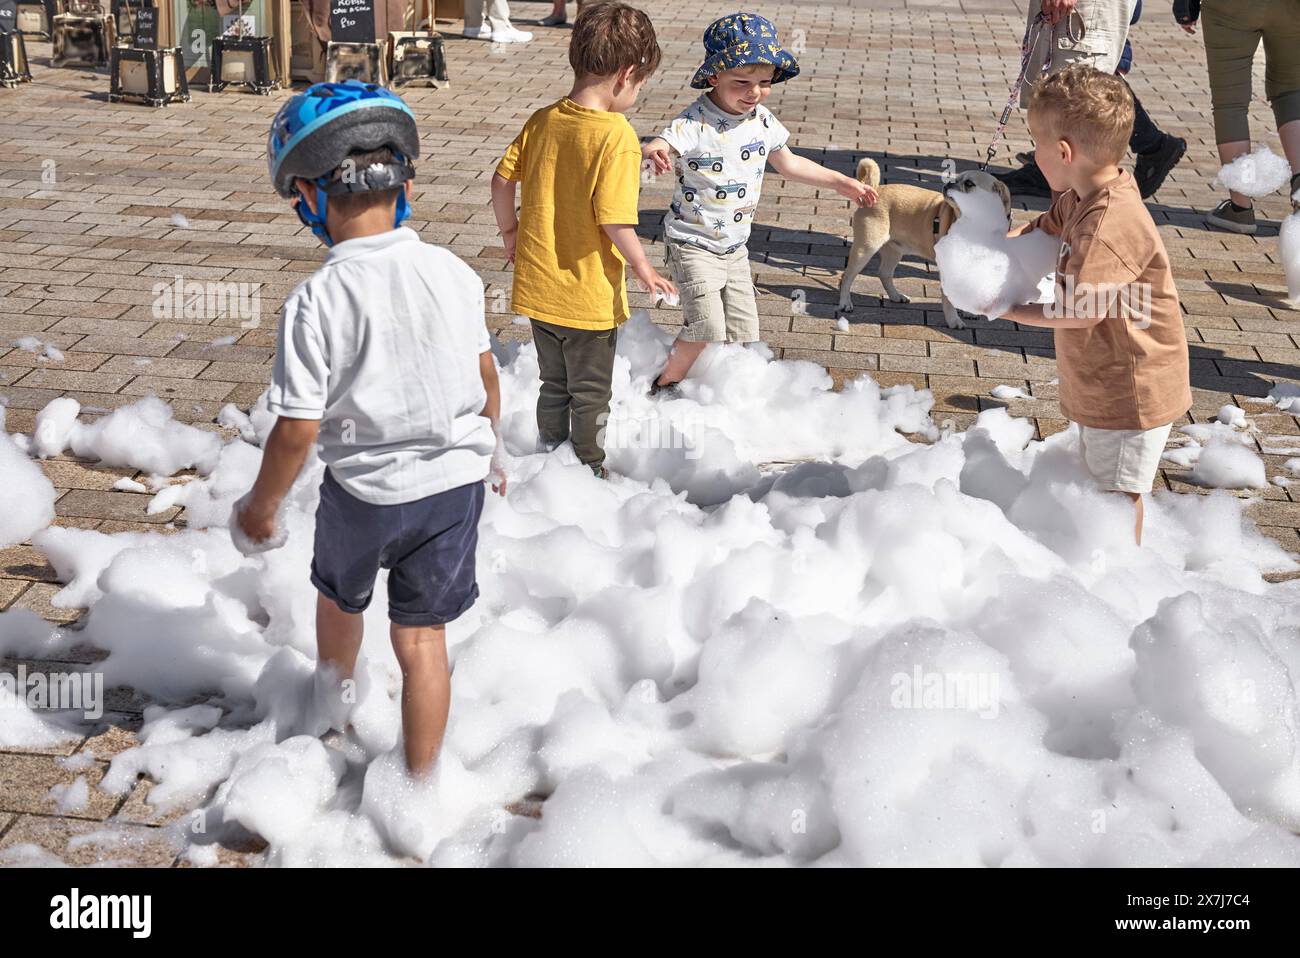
(316, 220)
(403, 208)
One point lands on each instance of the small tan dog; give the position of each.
(907, 219)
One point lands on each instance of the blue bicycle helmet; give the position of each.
(318, 129)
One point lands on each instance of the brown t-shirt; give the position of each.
(1130, 369)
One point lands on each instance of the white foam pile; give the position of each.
(26, 495)
(1255, 174)
(1289, 250)
(888, 653)
(1220, 453)
(143, 435)
(1006, 392)
(981, 270)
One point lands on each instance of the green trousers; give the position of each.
(1233, 30)
(577, 367)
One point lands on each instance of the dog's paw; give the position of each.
(844, 309)
(955, 322)
(900, 298)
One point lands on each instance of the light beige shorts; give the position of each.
(717, 293)
(1123, 460)
(1101, 27)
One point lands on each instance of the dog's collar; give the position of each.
(936, 226)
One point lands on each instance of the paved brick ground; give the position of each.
(90, 192)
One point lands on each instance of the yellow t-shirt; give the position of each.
(580, 169)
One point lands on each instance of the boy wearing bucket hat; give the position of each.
(384, 360)
(719, 147)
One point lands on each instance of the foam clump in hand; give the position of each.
(246, 545)
(1289, 247)
(672, 299)
(1255, 174)
(983, 271)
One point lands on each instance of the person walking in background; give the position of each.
(1074, 31)
(1156, 151)
(1233, 31)
(498, 27)
(558, 17)
(1094, 32)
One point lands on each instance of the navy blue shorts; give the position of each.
(428, 546)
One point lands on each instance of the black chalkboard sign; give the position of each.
(352, 21)
(146, 28)
(8, 16)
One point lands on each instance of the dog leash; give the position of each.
(1027, 46)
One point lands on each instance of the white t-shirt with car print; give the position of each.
(720, 165)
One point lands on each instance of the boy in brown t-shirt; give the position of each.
(1121, 349)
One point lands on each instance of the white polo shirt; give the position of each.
(382, 345)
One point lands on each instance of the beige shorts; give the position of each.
(1123, 460)
(1101, 27)
(717, 293)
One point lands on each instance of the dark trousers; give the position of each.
(1146, 135)
(576, 367)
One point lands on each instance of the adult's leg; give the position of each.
(473, 15)
(1290, 134)
(1156, 152)
(1146, 135)
(498, 16)
(1231, 39)
(1282, 76)
(554, 401)
(557, 15)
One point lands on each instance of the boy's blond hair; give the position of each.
(610, 37)
(1090, 109)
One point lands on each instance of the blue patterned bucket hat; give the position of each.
(742, 39)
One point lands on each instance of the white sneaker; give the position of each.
(477, 33)
(511, 35)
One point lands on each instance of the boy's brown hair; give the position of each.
(610, 37)
(1091, 109)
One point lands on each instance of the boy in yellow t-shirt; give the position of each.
(579, 164)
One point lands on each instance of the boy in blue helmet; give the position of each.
(383, 359)
(719, 147)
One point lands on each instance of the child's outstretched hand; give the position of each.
(254, 528)
(497, 470)
(656, 153)
(857, 191)
(654, 283)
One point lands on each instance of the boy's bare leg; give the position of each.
(1137, 506)
(680, 360)
(338, 637)
(426, 692)
(338, 642)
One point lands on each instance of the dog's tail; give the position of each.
(868, 171)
